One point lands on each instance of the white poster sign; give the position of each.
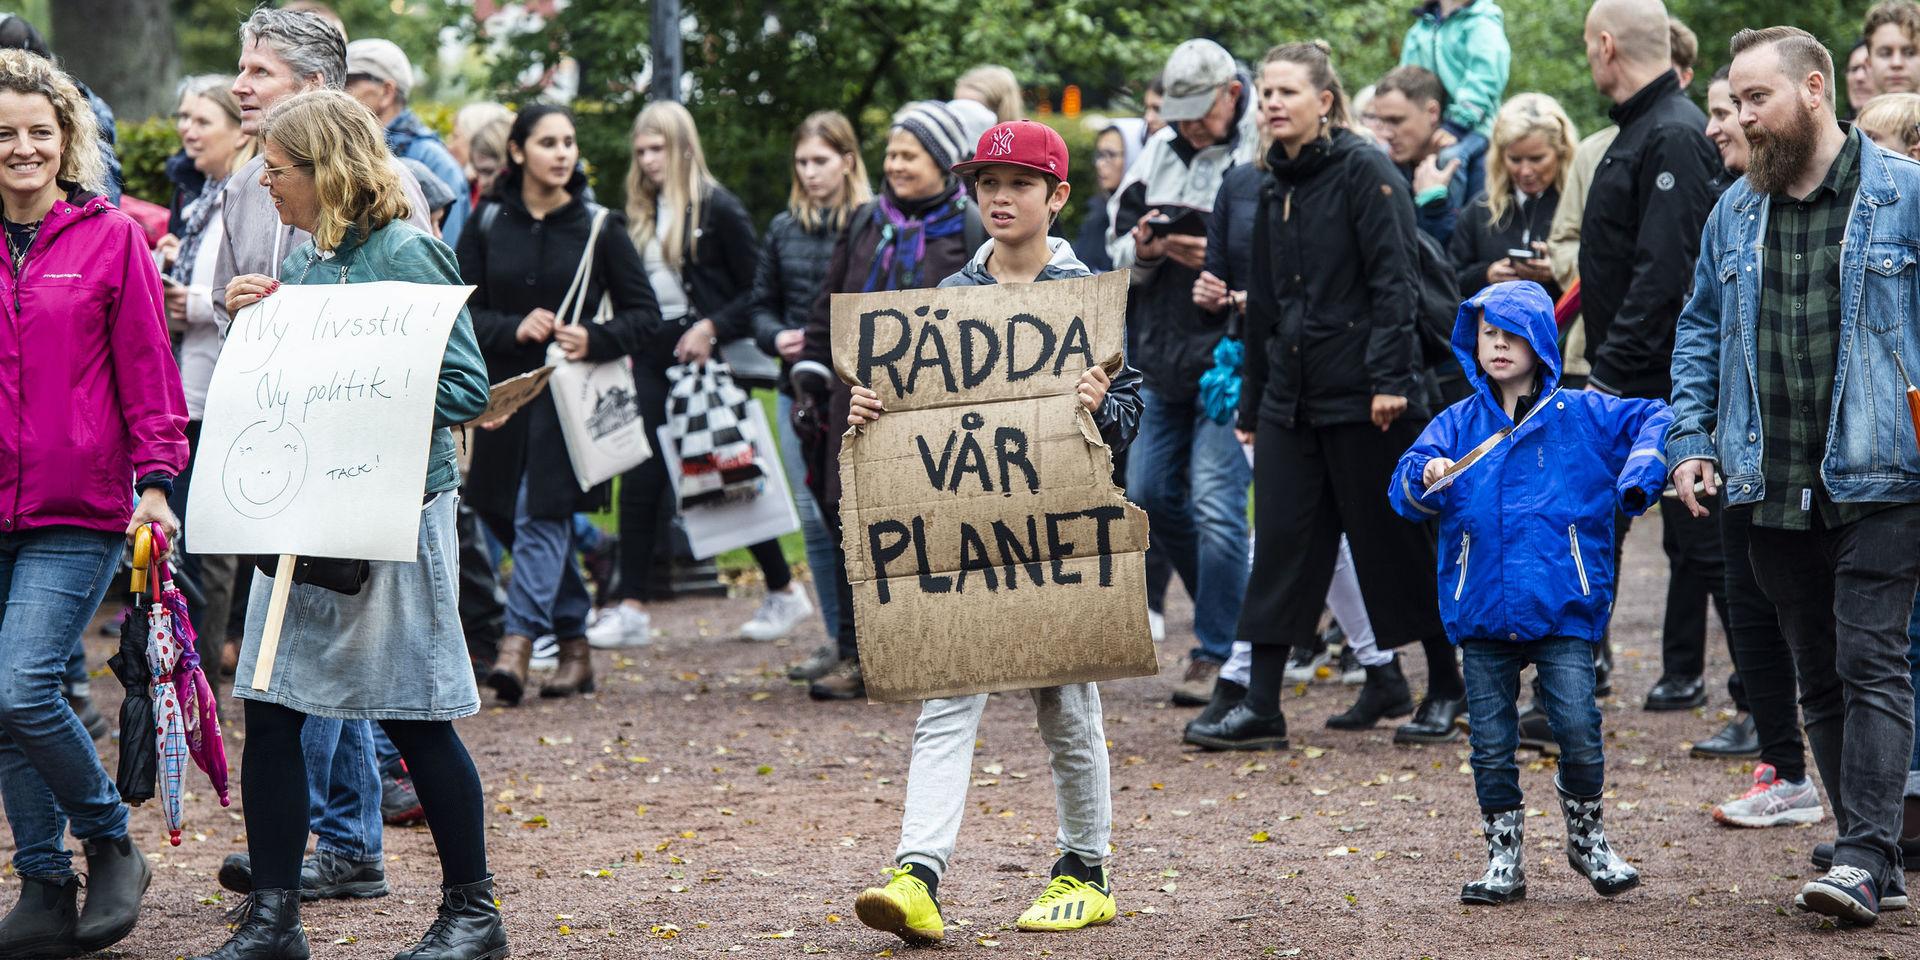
(318, 421)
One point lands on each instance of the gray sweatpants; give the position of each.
(942, 769)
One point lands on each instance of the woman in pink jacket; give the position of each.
(90, 412)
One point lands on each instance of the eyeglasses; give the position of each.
(275, 173)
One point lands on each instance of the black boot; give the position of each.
(43, 920)
(236, 873)
(1602, 670)
(467, 928)
(1226, 696)
(268, 929)
(1241, 729)
(117, 877)
(1437, 721)
(1385, 695)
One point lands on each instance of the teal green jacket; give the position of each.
(1468, 49)
(400, 251)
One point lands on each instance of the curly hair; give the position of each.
(338, 141)
(80, 161)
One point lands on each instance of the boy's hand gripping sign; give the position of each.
(987, 545)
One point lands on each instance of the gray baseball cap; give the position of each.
(1194, 75)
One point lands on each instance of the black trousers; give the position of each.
(1762, 661)
(1845, 596)
(483, 607)
(643, 492)
(1311, 484)
(1696, 565)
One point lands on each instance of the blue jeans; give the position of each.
(1565, 667)
(1191, 476)
(51, 581)
(343, 787)
(827, 572)
(546, 593)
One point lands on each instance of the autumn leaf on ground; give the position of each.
(1260, 836)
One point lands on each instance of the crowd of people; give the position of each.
(1448, 345)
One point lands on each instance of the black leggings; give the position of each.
(273, 786)
(643, 499)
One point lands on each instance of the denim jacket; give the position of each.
(1871, 454)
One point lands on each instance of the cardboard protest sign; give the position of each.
(318, 421)
(986, 543)
(504, 399)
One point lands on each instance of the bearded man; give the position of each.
(1788, 390)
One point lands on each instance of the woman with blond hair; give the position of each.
(829, 187)
(1527, 167)
(330, 175)
(699, 248)
(1892, 120)
(89, 401)
(994, 87)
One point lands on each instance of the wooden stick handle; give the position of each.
(276, 614)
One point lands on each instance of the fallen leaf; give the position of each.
(1260, 836)
(782, 935)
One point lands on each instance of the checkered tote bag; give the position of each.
(598, 406)
(707, 418)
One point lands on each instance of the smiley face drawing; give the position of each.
(265, 468)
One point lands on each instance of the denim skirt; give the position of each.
(393, 651)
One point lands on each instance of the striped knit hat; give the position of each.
(937, 128)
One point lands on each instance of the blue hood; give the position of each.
(1517, 306)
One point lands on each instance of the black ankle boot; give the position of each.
(1241, 729)
(1226, 696)
(1385, 695)
(268, 929)
(117, 877)
(43, 920)
(468, 927)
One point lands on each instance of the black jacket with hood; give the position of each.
(1330, 311)
(517, 264)
(717, 272)
(1640, 234)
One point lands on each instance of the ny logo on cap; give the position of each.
(1002, 143)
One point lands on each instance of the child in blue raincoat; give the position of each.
(1524, 478)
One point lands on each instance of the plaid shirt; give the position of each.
(1796, 342)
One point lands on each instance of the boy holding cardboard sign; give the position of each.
(1526, 477)
(1018, 176)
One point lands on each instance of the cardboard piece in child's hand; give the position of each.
(1460, 466)
(504, 399)
(987, 546)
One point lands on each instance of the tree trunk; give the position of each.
(122, 49)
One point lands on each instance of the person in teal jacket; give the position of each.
(1465, 42)
(392, 651)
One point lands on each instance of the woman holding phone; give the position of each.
(1502, 234)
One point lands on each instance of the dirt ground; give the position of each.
(700, 804)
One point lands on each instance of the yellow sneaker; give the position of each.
(1069, 904)
(903, 908)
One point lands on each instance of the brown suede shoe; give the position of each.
(575, 673)
(1196, 688)
(509, 676)
(845, 682)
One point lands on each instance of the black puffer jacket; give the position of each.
(1330, 311)
(1230, 235)
(517, 264)
(793, 262)
(1478, 243)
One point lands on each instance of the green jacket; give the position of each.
(400, 251)
(1468, 49)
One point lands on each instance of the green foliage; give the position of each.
(208, 33)
(144, 147)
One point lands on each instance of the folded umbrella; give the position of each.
(186, 722)
(138, 764)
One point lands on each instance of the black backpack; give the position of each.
(1437, 305)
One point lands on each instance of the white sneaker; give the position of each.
(779, 613)
(546, 653)
(1157, 625)
(620, 626)
(1772, 802)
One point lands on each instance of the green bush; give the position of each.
(144, 148)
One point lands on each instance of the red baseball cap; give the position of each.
(1019, 143)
